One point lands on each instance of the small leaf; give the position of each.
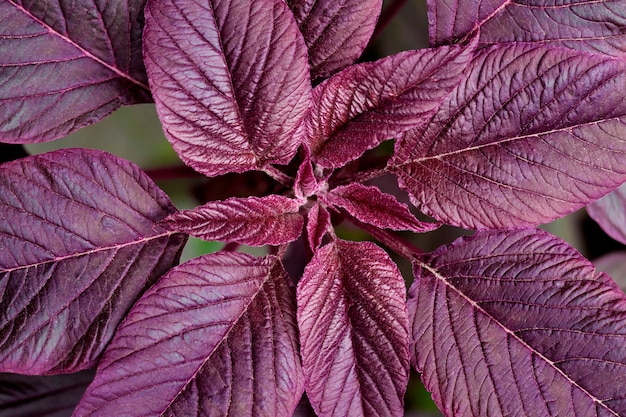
(610, 213)
(66, 64)
(305, 184)
(215, 336)
(271, 220)
(353, 331)
(230, 81)
(336, 32)
(532, 133)
(370, 205)
(42, 396)
(318, 223)
(79, 243)
(518, 323)
(597, 26)
(365, 104)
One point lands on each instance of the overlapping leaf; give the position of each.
(610, 213)
(598, 26)
(42, 396)
(370, 205)
(353, 331)
(66, 64)
(215, 336)
(518, 324)
(336, 32)
(270, 220)
(78, 244)
(318, 223)
(230, 80)
(530, 135)
(358, 108)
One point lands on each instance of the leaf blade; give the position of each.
(335, 32)
(55, 78)
(358, 108)
(231, 98)
(370, 205)
(596, 27)
(256, 221)
(353, 331)
(539, 328)
(175, 361)
(496, 160)
(80, 229)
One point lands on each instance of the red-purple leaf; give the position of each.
(593, 26)
(370, 205)
(335, 31)
(216, 336)
(531, 134)
(318, 223)
(614, 264)
(353, 331)
(67, 64)
(271, 220)
(78, 244)
(305, 184)
(358, 108)
(518, 323)
(230, 80)
(610, 213)
(42, 396)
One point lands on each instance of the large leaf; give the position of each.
(335, 31)
(594, 26)
(270, 220)
(42, 396)
(78, 244)
(230, 80)
(610, 213)
(518, 324)
(531, 134)
(65, 64)
(214, 337)
(370, 205)
(358, 108)
(353, 331)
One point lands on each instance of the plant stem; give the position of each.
(231, 247)
(278, 175)
(391, 240)
(174, 172)
(387, 16)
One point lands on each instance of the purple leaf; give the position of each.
(42, 396)
(530, 135)
(305, 184)
(610, 213)
(79, 244)
(336, 32)
(60, 71)
(358, 108)
(614, 264)
(518, 323)
(370, 205)
(230, 81)
(271, 220)
(353, 331)
(594, 26)
(318, 224)
(215, 336)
